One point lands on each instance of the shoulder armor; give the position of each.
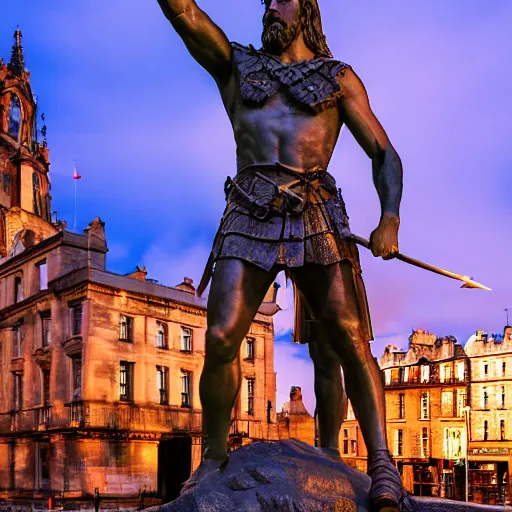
(311, 83)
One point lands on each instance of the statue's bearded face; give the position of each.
(281, 25)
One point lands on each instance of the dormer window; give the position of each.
(15, 117)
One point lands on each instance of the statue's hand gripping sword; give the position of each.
(468, 281)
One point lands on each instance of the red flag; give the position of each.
(76, 176)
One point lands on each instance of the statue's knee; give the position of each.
(220, 346)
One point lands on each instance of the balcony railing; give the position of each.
(247, 428)
(133, 417)
(81, 414)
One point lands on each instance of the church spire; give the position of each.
(17, 63)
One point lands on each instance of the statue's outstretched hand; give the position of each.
(384, 240)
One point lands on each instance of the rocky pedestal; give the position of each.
(291, 476)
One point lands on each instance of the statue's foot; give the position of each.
(207, 467)
(386, 493)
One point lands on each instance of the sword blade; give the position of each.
(468, 281)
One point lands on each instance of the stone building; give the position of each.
(426, 391)
(99, 372)
(490, 449)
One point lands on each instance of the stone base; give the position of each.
(291, 476)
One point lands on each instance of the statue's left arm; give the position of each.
(386, 165)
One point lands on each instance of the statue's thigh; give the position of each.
(330, 293)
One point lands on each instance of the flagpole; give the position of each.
(75, 180)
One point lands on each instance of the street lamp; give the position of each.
(466, 435)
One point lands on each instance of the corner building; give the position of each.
(490, 449)
(99, 372)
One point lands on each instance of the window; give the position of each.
(45, 377)
(353, 444)
(501, 400)
(461, 372)
(126, 382)
(502, 430)
(345, 441)
(125, 328)
(387, 376)
(461, 402)
(42, 270)
(424, 442)
(161, 335)
(186, 339)
(406, 374)
(15, 117)
(186, 386)
(18, 289)
(401, 375)
(486, 430)
(17, 401)
(76, 320)
(446, 373)
(425, 373)
(17, 338)
(249, 349)
(504, 368)
(485, 370)
(43, 469)
(162, 379)
(46, 324)
(453, 442)
(424, 406)
(485, 399)
(76, 375)
(250, 397)
(447, 403)
(401, 406)
(399, 442)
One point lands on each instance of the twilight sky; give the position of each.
(148, 132)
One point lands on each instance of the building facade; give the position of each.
(490, 449)
(99, 372)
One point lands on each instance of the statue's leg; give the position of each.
(331, 400)
(236, 292)
(330, 293)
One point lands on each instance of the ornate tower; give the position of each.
(25, 201)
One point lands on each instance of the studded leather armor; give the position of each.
(312, 83)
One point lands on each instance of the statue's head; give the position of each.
(284, 20)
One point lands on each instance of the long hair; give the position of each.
(311, 24)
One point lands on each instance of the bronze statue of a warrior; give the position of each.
(287, 103)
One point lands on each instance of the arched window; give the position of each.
(161, 335)
(15, 117)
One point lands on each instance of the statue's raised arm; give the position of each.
(205, 41)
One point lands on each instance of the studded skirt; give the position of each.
(278, 218)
